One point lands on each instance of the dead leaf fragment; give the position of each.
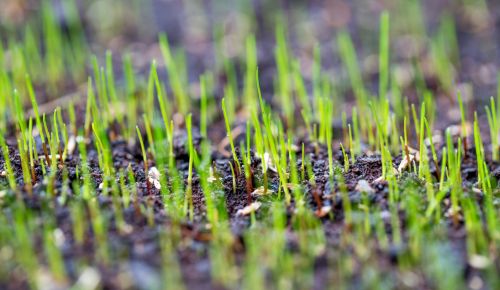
(211, 177)
(323, 211)
(293, 186)
(452, 213)
(71, 145)
(476, 190)
(266, 159)
(412, 156)
(253, 207)
(261, 191)
(154, 177)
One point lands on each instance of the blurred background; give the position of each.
(448, 44)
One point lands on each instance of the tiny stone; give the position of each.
(385, 215)
(59, 237)
(476, 283)
(3, 173)
(364, 186)
(479, 262)
(89, 279)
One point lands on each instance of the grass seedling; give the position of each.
(55, 128)
(25, 250)
(133, 191)
(384, 55)
(54, 256)
(248, 174)
(111, 86)
(283, 63)
(433, 149)
(23, 152)
(38, 120)
(271, 142)
(230, 136)
(171, 272)
(233, 174)
(78, 219)
(330, 150)
(494, 124)
(349, 59)
(464, 122)
(31, 151)
(203, 106)
(175, 74)
(351, 145)
(149, 135)
(454, 177)
(346, 158)
(7, 164)
(104, 154)
(144, 159)
(188, 203)
(102, 92)
(301, 92)
(251, 67)
(486, 184)
(302, 163)
(89, 107)
(99, 226)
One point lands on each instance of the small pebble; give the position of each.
(364, 186)
(89, 279)
(479, 262)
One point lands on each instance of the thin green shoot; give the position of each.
(464, 121)
(189, 190)
(144, 159)
(384, 54)
(230, 136)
